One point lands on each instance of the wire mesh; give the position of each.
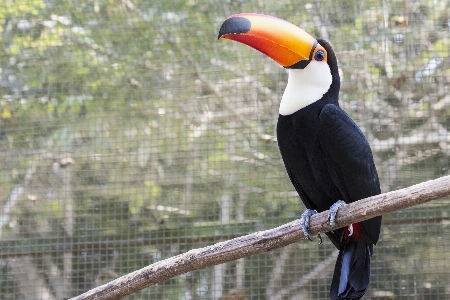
(129, 134)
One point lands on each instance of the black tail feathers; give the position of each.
(352, 270)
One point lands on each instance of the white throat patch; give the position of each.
(305, 86)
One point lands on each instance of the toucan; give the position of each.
(326, 155)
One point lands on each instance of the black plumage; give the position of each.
(328, 158)
(326, 155)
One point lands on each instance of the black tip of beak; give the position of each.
(234, 25)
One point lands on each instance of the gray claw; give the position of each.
(333, 211)
(320, 239)
(304, 221)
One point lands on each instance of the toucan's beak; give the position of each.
(282, 41)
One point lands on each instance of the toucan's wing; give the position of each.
(349, 160)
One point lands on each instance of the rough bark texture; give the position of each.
(264, 241)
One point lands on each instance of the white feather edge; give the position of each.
(305, 86)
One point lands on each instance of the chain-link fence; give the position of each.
(129, 134)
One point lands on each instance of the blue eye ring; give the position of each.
(319, 55)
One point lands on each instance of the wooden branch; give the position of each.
(263, 241)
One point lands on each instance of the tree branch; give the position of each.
(263, 241)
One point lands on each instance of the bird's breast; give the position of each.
(303, 156)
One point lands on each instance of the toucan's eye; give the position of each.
(319, 56)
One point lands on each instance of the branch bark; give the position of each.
(263, 241)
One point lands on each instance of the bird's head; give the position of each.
(311, 63)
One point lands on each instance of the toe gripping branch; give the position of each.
(333, 211)
(304, 222)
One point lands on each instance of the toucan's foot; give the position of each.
(304, 222)
(333, 211)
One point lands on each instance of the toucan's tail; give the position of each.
(352, 270)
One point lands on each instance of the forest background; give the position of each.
(129, 134)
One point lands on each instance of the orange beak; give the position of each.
(282, 41)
